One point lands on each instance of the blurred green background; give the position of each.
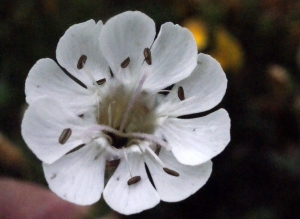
(257, 43)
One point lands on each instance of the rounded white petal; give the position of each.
(172, 188)
(195, 141)
(46, 79)
(42, 125)
(78, 177)
(127, 35)
(131, 199)
(82, 39)
(174, 56)
(203, 89)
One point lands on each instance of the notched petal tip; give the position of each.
(126, 35)
(82, 39)
(174, 54)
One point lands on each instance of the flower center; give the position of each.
(125, 113)
(123, 108)
(112, 109)
(114, 112)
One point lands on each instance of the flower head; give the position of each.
(109, 111)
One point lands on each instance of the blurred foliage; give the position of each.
(199, 30)
(257, 43)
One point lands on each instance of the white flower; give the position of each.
(118, 117)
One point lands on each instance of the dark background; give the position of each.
(258, 174)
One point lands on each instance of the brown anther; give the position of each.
(65, 135)
(101, 81)
(133, 180)
(125, 63)
(81, 61)
(148, 57)
(170, 172)
(157, 149)
(180, 93)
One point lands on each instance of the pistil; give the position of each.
(81, 65)
(124, 64)
(131, 102)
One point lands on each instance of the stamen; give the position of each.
(81, 61)
(148, 57)
(65, 135)
(133, 180)
(81, 65)
(125, 63)
(170, 172)
(181, 93)
(101, 81)
(126, 158)
(155, 156)
(167, 170)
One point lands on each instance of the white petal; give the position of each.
(127, 35)
(195, 141)
(172, 188)
(46, 79)
(174, 56)
(79, 176)
(43, 124)
(131, 199)
(203, 89)
(82, 39)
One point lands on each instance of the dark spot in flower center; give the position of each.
(118, 141)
